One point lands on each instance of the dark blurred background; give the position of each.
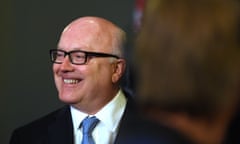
(28, 29)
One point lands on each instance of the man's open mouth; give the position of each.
(71, 81)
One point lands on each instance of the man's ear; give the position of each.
(118, 70)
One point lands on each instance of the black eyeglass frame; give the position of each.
(87, 55)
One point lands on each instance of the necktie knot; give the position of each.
(88, 124)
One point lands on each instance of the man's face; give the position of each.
(88, 83)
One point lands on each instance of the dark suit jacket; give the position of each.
(57, 128)
(233, 132)
(136, 129)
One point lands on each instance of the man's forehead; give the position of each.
(89, 33)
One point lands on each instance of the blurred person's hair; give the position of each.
(188, 55)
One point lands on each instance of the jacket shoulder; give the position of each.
(37, 130)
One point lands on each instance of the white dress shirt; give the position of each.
(110, 115)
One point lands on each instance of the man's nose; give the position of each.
(66, 64)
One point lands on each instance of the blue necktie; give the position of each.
(88, 124)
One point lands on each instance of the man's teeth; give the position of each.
(71, 81)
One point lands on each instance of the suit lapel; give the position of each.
(61, 130)
(129, 116)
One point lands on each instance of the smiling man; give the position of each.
(87, 66)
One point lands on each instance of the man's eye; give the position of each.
(59, 54)
(78, 55)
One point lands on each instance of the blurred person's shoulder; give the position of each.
(143, 131)
(233, 130)
(135, 128)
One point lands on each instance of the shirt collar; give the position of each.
(110, 115)
(77, 117)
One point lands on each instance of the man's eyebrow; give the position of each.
(73, 49)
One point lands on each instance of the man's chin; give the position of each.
(68, 99)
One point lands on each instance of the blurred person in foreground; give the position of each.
(188, 59)
(87, 66)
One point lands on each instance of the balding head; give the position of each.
(93, 34)
(90, 69)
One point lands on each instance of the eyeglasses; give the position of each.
(77, 57)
